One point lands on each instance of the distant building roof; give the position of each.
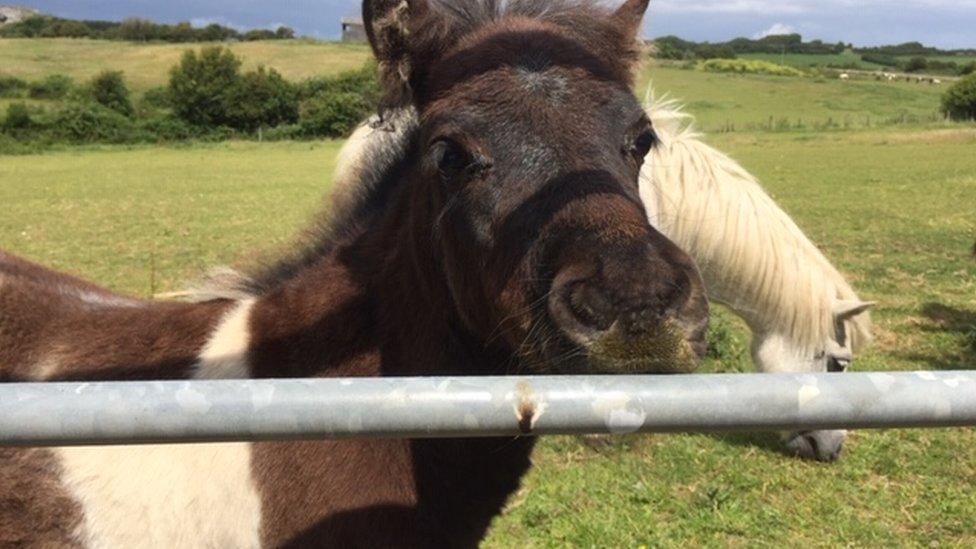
(358, 21)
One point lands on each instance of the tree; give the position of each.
(262, 98)
(137, 30)
(916, 64)
(18, 118)
(959, 101)
(284, 33)
(200, 86)
(108, 89)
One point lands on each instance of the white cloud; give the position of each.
(775, 30)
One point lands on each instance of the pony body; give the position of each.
(460, 258)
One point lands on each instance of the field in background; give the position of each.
(734, 102)
(147, 65)
(808, 60)
(893, 207)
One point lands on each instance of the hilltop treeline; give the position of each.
(136, 30)
(672, 47)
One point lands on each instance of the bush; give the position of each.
(748, 66)
(959, 101)
(18, 118)
(109, 90)
(708, 51)
(168, 128)
(90, 122)
(55, 86)
(11, 86)
(261, 98)
(362, 81)
(968, 68)
(201, 85)
(333, 115)
(881, 59)
(157, 98)
(916, 64)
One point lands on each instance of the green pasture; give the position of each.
(809, 60)
(957, 59)
(894, 207)
(147, 65)
(737, 102)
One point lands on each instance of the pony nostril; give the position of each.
(591, 307)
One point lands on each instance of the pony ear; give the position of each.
(629, 16)
(388, 24)
(848, 308)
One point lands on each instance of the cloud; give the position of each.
(775, 30)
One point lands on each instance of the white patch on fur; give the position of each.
(225, 354)
(186, 496)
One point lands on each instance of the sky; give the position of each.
(942, 23)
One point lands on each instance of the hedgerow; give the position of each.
(748, 66)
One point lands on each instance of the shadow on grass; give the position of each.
(956, 322)
(769, 442)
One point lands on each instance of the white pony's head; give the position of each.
(781, 351)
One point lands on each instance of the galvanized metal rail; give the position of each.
(61, 414)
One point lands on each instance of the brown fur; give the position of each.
(54, 335)
(509, 238)
(35, 510)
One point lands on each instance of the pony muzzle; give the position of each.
(640, 327)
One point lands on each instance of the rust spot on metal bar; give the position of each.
(525, 407)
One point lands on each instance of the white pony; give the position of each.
(803, 315)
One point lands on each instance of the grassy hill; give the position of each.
(147, 65)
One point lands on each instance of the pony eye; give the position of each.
(838, 364)
(450, 158)
(642, 145)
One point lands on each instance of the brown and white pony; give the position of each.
(804, 316)
(508, 238)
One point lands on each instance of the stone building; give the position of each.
(14, 14)
(353, 30)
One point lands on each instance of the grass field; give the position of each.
(808, 60)
(749, 102)
(147, 65)
(895, 208)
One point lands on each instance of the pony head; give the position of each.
(530, 144)
(775, 352)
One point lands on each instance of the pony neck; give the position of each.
(376, 304)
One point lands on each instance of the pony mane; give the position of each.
(750, 247)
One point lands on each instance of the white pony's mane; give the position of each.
(754, 256)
